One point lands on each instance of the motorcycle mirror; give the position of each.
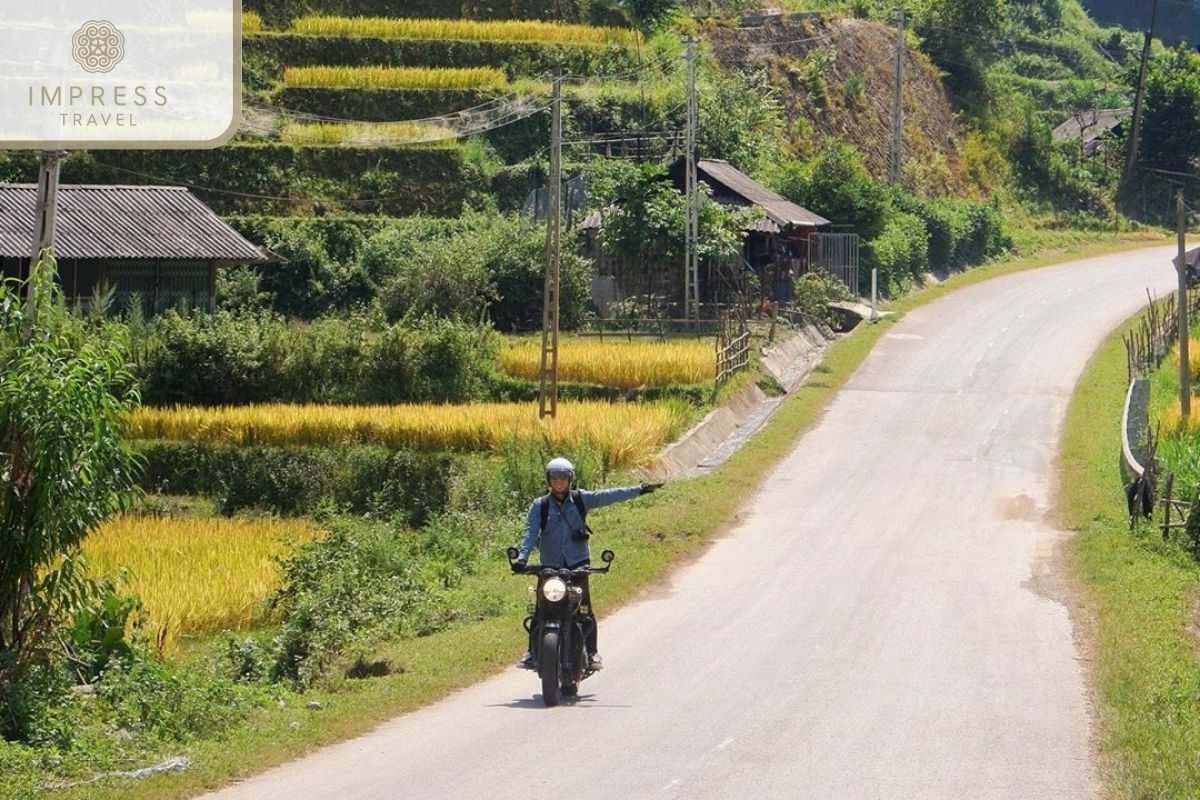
(607, 556)
(512, 553)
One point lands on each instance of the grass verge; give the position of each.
(1140, 597)
(649, 536)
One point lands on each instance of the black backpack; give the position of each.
(577, 497)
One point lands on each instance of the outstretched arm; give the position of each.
(606, 497)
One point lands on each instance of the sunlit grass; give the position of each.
(624, 433)
(394, 78)
(464, 29)
(625, 365)
(196, 575)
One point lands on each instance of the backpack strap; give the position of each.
(544, 510)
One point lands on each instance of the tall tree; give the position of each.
(1170, 136)
(64, 464)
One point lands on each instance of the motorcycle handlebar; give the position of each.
(536, 569)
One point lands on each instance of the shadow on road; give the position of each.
(535, 702)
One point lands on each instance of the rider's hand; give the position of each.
(647, 488)
(518, 566)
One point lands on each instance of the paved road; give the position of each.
(884, 622)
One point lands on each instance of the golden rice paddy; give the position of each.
(394, 78)
(357, 134)
(469, 30)
(624, 433)
(626, 365)
(196, 575)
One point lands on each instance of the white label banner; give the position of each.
(119, 73)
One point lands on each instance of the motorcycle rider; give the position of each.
(557, 519)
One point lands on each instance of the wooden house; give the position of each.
(159, 243)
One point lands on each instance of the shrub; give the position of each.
(212, 359)
(360, 479)
(342, 594)
(900, 252)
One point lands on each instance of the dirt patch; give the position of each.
(1020, 507)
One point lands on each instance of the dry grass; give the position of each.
(625, 365)
(394, 78)
(196, 575)
(625, 433)
(470, 30)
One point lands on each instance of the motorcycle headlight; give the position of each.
(554, 589)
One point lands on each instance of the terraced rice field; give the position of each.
(466, 30)
(624, 433)
(394, 78)
(626, 365)
(196, 575)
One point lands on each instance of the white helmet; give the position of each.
(558, 467)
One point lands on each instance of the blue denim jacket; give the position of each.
(558, 549)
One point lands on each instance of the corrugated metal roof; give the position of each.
(1090, 124)
(123, 222)
(780, 210)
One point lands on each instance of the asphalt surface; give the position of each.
(886, 620)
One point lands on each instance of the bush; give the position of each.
(900, 252)
(490, 262)
(344, 593)
(408, 485)
(246, 178)
(256, 357)
(212, 359)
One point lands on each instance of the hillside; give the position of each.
(834, 78)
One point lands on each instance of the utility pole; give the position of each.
(692, 237)
(1135, 129)
(1185, 378)
(45, 213)
(897, 103)
(548, 399)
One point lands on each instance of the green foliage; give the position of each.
(99, 632)
(364, 479)
(64, 466)
(900, 252)
(213, 359)
(229, 358)
(247, 178)
(343, 594)
(1170, 136)
(743, 121)
(835, 185)
(646, 224)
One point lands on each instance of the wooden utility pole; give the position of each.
(691, 264)
(1136, 125)
(548, 399)
(45, 214)
(897, 103)
(1185, 377)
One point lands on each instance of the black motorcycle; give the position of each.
(557, 643)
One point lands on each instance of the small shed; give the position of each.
(157, 242)
(780, 237)
(778, 246)
(1090, 128)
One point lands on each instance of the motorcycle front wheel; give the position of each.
(548, 668)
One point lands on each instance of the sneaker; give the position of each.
(595, 662)
(526, 661)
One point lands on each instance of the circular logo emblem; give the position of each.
(98, 46)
